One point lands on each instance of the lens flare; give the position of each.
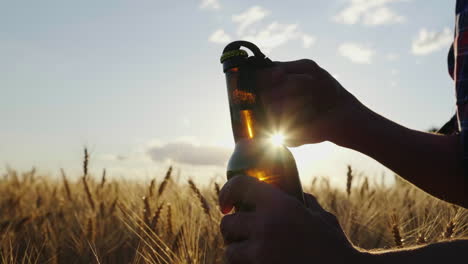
(277, 139)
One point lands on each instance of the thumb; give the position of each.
(269, 77)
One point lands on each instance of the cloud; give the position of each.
(249, 17)
(277, 34)
(219, 36)
(210, 4)
(267, 37)
(307, 40)
(190, 153)
(430, 41)
(369, 12)
(113, 157)
(392, 56)
(356, 53)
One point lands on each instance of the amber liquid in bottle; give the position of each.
(254, 154)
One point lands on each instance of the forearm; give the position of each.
(443, 252)
(430, 161)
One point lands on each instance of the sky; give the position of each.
(140, 84)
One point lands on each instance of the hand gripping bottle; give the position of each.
(255, 155)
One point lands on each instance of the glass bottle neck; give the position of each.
(246, 126)
(244, 104)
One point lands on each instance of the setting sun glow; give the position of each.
(277, 139)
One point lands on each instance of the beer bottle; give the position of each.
(254, 154)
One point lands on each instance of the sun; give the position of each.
(277, 139)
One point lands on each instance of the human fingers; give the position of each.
(303, 66)
(237, 227)
(245, 190)
(321, 92)
(239, 253)
(284, 108)
(269, 77)
(292, 84)
(279, 69)
(312, 203)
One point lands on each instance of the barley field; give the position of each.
(45, 219)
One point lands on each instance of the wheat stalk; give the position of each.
(66, 185)
(20, 223)
(449, 230)
(151, 188)
(421, 240)
(396, 230)
(163, 185)
(178, 239)
(169, 219)
(349, 180)
(90, 230)
(88, 193)
(364, 187)
(85, 162)
(113, 205)
(103, 179)
(38, 201)
(155, 219)
(217, 190)
(102, 209)
(39, 227)
(146, 210)
(201, 198)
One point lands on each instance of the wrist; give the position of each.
(366, 257)
(351, 122)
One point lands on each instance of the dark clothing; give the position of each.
(458, 69)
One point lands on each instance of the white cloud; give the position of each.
(356, 53)
(210, 4)
(249, 17)
(266, 37)
(190, 153)
(382, 15)
(369, 12)
(392, 57)
(430, 41)
(219, 36)
(276, 34)
(307, 40)
(113, 157)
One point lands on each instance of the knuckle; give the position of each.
(311, 199)
(309, 63)
(226, 190)
(234, 254)
(312, 203)
(223, 191)
(237, 179)
(221, 199)
(332, 217)
(224, 225)
(230, 253)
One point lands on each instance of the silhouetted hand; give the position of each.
(280, 229)
(306, 102)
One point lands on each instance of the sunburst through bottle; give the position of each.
(255, 154)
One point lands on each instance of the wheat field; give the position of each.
(45, 219)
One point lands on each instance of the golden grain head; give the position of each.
(76, 225)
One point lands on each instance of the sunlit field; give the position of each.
(45, 219)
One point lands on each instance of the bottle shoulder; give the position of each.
(251, 153)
